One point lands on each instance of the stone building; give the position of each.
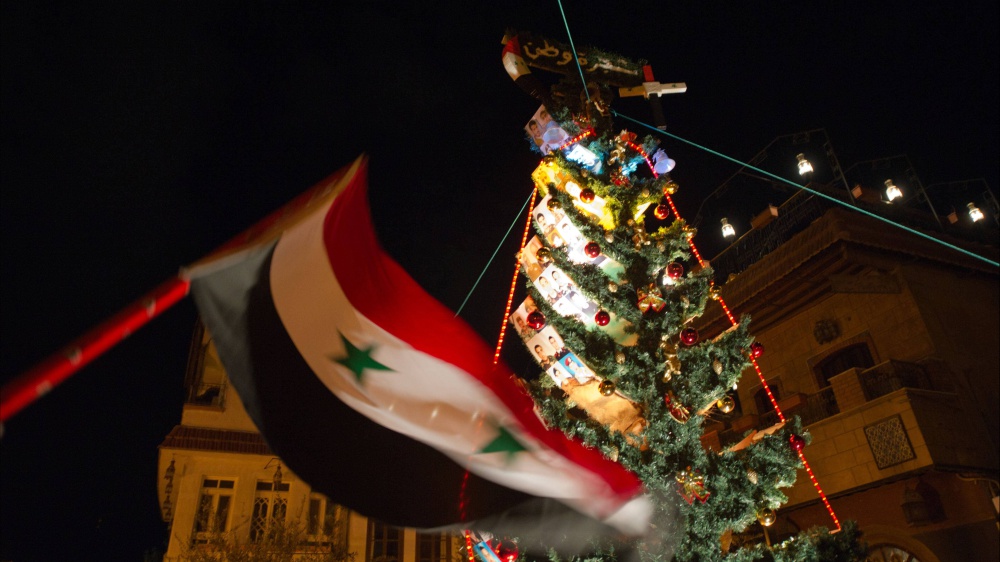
(886, 345)
(218, 478)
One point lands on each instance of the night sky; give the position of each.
(138, 138)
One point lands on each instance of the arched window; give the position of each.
(856, 355)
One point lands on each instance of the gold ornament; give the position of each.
(644, 192)
(607, 387)
(650, 298)
(660, 246)
(682, 475)
(543, 255)
(714, 292)
(612, 286)
(554, 204)
(752, 476)
(619, 357)
(685, 301)
(609, 237)
(717, 366)
(767, 516)
(613, 453)
(690, 232)
(670, 187)
(673, 367)
(725, 404)
(691, 485)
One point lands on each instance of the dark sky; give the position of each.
(138, 138)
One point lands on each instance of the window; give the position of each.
(269, 505)
(385, 543)
(434, 548)
(327, 523)
(214, 505)
(763, 401)
(857, 355)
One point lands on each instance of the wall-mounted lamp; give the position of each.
(727, 229)
(277, 471)
(891, 191)
(974, 213)
(804, 166)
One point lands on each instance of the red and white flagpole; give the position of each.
(38, 381)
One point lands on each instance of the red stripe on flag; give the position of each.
(384, 292)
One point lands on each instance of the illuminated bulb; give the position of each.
(891, 191)
(727, 229)
(974, 213)
(804, 166)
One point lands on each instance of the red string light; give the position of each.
(577, 139)
(513, 282)
(753, 360)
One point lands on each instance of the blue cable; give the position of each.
(521, 212)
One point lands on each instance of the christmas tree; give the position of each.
(614, 289)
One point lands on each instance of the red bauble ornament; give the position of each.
(536, 320)
(592, 249)
(756, 349)
(661, 211)
(798, 442)
(587, 195)
(689, 336)
(675, 270)
(602, 318)
(505, 549)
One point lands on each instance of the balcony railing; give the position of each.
(891, 376)
(877, 381)
(819, 406)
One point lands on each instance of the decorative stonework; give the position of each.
(889, 443)
(826, 330)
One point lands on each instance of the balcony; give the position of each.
(875, 423)
(888, 420)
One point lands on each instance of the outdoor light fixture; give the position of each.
(804, 166)
(974, 213)
(728, 230)
(891, 191)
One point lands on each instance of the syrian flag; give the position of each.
(377, 396)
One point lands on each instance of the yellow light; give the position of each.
(974, 213)
(804, 166)
(727, 229)
(891, 191)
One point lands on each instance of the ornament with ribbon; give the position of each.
(691, 486)
(650, 298)
(675, 408)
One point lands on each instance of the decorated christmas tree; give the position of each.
(615, 285)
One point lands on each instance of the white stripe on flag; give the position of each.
(422, 397)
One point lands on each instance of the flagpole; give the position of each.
(39, 380)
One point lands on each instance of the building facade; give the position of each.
(886, 345)
(219, 481)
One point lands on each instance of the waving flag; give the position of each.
(373, 393)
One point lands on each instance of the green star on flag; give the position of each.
(505, 442)
(358, 359)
